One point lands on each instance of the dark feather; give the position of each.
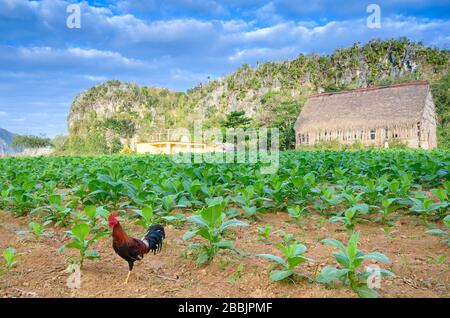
(155, 237)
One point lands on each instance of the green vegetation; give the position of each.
(441, 96)
(146, 217)
(210, 224)
(237, 120)
(37, 230)
(92, 215)
(10, 257)
(79, 233)
(297, 212)
(350, 259)
(444, 233)
(30, 141)
(293, 256)
(350, 217)
(388, 207)
(55, 210)
(370, 186)
(264, 232)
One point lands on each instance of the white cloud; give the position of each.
(268, 13)
(45, 53)
(3, 113)
(94, 78)
(258, 54)
(288, 39)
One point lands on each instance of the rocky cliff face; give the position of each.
(116, 113)
(6, 139)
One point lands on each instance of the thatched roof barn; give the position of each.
(372, 116)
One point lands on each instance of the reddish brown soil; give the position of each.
(41, 270)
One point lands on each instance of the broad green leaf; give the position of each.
(294, 261)
(92, 254)
(9, 254)
(376, 256)
(212, 214)
(362, 208)
(273, 258)
(250, 210)
(198, 220)
(90, 211)
(364, 291)
(437, 232)
(183, 202)
(189, 234)
(277, 275)
(342, 259)
(80, 231)
(336, 219)
(336, 243)
(74, 245)
(385, 272)
(55, 199)
(202, 258)
(34, 226)
(195, 187)
(329, 274)
(447, 221)
(439, 193)
(147, 212)
(206, 233)
(299, 249)
(352, 245)
(231, 223)
(225, 245)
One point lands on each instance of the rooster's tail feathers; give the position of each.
(155, 237)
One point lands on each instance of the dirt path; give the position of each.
(416, 258)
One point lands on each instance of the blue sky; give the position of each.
(175, 44)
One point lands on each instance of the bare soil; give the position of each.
(420, 262)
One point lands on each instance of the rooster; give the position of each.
(131, 249)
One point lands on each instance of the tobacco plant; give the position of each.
(350, 259)
(10, 257)
(388, 207)
(264, 232)
(79, 234)
(297, 212)
(293, 256)
(36, 231)
(93, 214)
(444, 233)
(210, 224)
(351, 216)
(56, 211)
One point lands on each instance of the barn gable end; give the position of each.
(371, 116)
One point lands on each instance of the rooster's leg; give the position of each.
(128, 277)
(130, 266)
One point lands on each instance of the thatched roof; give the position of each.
(372, 107)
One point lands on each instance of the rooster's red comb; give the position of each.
(113, 216)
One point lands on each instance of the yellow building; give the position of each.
(173, 147)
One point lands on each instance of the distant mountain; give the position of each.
(6, 139)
